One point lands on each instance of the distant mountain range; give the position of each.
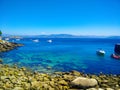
(60, 36)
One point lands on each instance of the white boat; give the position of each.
(18, 39)
(100, 52)
(7, 39)
(36, 40)
(49, 41)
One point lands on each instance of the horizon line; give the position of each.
(57, 34)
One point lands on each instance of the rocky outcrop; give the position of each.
(6, 46)
(82, 82)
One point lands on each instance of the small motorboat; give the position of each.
(36, 40)
(115, 56)
(49, 41)
(100, 52)
(6, 39)
(17, 39)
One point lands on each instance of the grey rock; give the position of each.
(109, 89)
(81, 82)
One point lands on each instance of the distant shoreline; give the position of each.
(59, 36)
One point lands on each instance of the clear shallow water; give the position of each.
(65, 55)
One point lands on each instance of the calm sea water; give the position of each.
(65, 55)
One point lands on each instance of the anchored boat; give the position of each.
(100, 52)
(50, 41)
(36, 40)
(116, 54)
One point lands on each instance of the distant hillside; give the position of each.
(52, 36)
(57, 36)
(11, 36)
(60, 36)
(5, 35)
(63, 36)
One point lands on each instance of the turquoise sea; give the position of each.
(64, 54)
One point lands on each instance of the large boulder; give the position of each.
(81, 82)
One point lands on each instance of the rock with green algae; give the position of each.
(1, 61)
(3, 77)
(109, 89)
(8, 85)
(52, 84)
(95, 89)
(63, 82)
(68, 77)
(18, 88)
(35, 84)
(76, 73)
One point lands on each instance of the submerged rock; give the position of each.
(82, 82)
(1, 61)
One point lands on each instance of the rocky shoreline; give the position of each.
(14, 78)
(6, 46)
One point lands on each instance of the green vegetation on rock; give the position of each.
(0, 32)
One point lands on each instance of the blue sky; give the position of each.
(79, 17)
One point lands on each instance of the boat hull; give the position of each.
(100, 52)
(115, 56)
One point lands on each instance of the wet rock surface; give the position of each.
(14, 78)
(6, 46)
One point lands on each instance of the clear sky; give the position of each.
(79, 17)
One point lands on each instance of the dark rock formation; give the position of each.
(117, 49)
(6, 46)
